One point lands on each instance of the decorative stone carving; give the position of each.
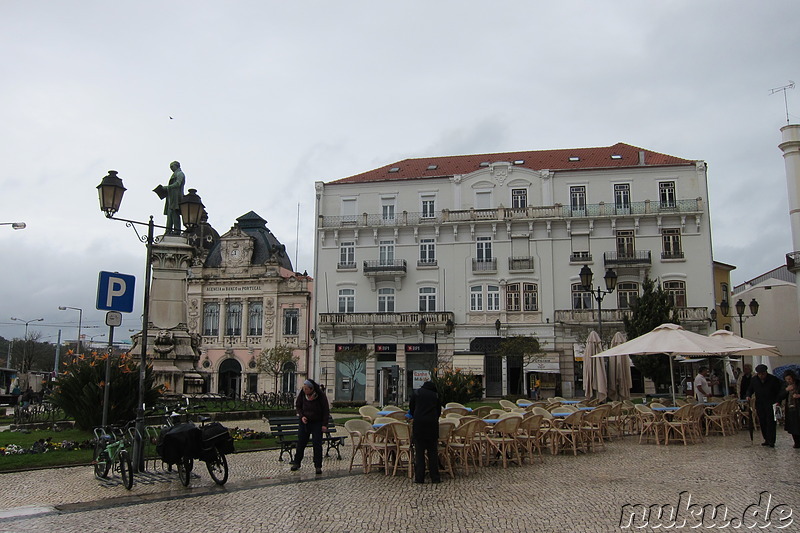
(164, 342)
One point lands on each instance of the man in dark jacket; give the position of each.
(425, 410)
(766, 388)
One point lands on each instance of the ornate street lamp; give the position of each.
(740, 309)
(598, 294)
(110, 193)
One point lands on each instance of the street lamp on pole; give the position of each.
(740, 307)
(598, 294)
(110, 192)
(24, 348)
(80, 320)
(14, 225)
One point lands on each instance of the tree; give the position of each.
(80, 386)
(30, 343)
(274, 360)
(354, 360)
(526, 347)
(650, 310)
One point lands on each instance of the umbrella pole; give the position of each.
(672, 379)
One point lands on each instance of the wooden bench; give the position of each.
(287, 428)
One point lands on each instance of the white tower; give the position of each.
(790, 146)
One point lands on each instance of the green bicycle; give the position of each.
(110, 450)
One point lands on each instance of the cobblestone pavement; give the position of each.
(566, 493)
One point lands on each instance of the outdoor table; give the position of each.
(384, 413)
(491, 420)
(665, 408)
(561, 414)
(570, 402)
(523, 404)
(378, 426)
(585, 408)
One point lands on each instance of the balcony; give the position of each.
(558, 211)
(484, 266)
(580, 257)
(377, 267)
(436, 320)
(672, 255)
(347, 266)
(631, 259)
(520, 263)
(427, 263)
(589, 316)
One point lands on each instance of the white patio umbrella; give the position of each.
(594, 370)
(672, 340)
(744, 347)
(619, 372)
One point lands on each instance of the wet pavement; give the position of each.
(564, 493)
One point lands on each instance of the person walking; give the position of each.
(766, 389)
(791, 415)
(425, 409)
(313, 410)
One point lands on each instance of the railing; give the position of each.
(38, 413)
(671, 255)
(520, 263)
(580, 257)
(386, 319)
(589, 316)
(376, 266)
(485, 265)
(557, 211)
(346, 266)
(793, 261)
(639, 257)
(426, 263)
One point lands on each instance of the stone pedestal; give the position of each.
(173, 351)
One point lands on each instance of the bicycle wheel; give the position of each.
(185, 470)
(218, 468)
(126, 469)
(102, 463)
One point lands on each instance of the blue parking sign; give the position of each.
(115, 292)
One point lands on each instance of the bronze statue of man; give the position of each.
(174, 195)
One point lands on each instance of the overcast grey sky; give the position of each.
(268, 97)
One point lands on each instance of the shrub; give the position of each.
(80, 386)
(347, 403)
(457, 386)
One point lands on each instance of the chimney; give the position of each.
(641, 158)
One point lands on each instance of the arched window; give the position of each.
(581, 298)
(289, 377)
(627, 294)
(676, 292)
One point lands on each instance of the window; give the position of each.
(625, 244)
(386, 300)
(386, 253)
(349, 210)
(347, 255)
(513, 297)
(233, 319)
(483, 199)
(622, 197)
(493, 298)
(666, 192)
(581, 299)
(427, 252)
(387, 209)
(627, 294)
(519, 198)
(530, 297)
(252, 383)
(484, 249)
(428, 206)
(671, 239)
(289, 377)
(347, 300)
(476, 298)
(577, 198)
(676, 293)
(255, 320)
(291, 319)
(427, 299)
(211, 319)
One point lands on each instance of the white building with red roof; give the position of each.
(429, 262)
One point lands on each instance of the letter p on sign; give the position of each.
(115, 292)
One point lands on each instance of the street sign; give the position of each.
(113, 319)
(115, 292)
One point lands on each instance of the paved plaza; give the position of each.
(565, 493)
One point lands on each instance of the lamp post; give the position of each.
(598, 294)
(80, 320)
(110, 192)
(91, 339)
(713, 319)
(14, 225)
(24, 348)
(740, 307)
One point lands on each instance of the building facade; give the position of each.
(431, 262)
(244, 299)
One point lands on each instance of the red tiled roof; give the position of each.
(588, 158)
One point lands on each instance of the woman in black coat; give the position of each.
(791, 414)
(313, 411)
(425, 409)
